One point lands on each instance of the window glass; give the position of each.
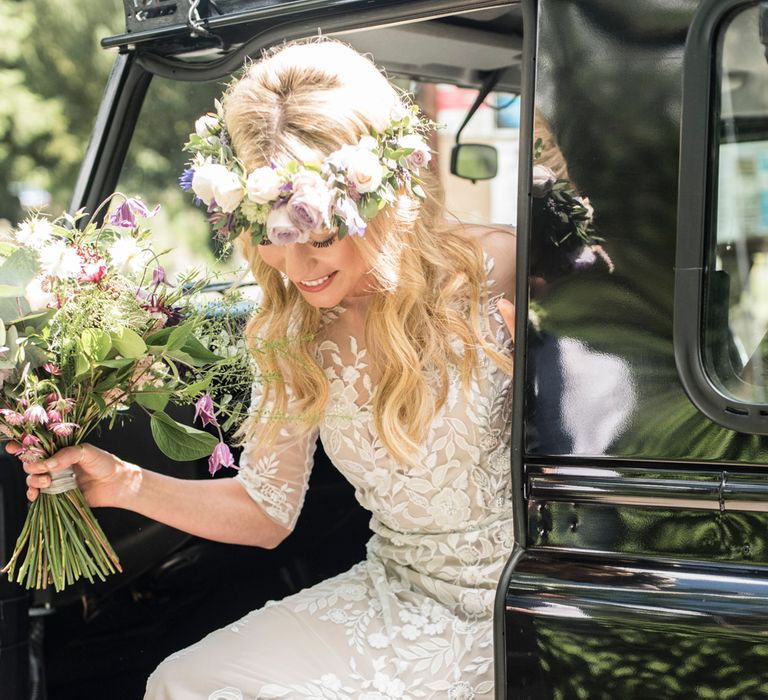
(736, 318)
(155, 161)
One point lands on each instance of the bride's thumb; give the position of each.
(65, 457)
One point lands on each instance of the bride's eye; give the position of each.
(265, 241)
(324, 244)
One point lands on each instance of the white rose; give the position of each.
(263, 185)
(37, 297)
(340, 159)
(206, 125)
(203, 178)
(368, 143)
(34, 233)
(227, 190)
(364, 170)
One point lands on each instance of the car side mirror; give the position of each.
(474, 161)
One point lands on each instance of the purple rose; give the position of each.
(310, 204)
(221, 457)
(420, 154)
(281, 230)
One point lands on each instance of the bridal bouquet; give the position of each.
(90, 326)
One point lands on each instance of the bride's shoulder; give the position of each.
(499, 243)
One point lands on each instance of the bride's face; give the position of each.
(325, 270)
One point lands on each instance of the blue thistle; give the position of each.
(185, 179)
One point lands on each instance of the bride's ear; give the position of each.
(507, 310)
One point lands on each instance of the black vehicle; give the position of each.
(641, 397)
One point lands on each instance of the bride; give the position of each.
(405, 375)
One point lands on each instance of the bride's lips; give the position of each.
(318, 284)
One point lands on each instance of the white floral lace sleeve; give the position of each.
(276, 476)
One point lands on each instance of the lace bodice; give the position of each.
(460, 484)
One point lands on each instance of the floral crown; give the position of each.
(285, 203)
(566, 218)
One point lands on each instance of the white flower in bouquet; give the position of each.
(34, 233)
(128, 256)
(59, 260)
(263, 185)
(38, 296)
(106, 331)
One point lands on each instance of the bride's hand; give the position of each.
(97, 471)
(507, 310)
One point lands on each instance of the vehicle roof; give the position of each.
(419, 40)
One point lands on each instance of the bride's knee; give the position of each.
(167, 681)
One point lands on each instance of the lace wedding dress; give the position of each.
(414, 619)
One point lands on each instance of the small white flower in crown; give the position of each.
(284, 204)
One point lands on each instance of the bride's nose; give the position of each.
(300, 259)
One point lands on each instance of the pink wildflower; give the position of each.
(33, 454)
(30, 440)
(52, 369)
(53, 397)
(36, 414)
(11, 417)
(63, 406)
(94, 271)
(221, 457)
(205, 411)
(63, 429)
(54, 416)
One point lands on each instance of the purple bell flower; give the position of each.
(125, 215)
(221, 457)
(205, 411)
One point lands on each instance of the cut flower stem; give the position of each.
(61, 542)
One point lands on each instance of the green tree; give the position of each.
(52, 73)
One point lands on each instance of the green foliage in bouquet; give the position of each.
(91, 326)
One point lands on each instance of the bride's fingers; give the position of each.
(507, 310)
(13, 448)
(38, 481)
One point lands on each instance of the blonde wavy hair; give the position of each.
(303, 101)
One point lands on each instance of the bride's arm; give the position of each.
(220, 510)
